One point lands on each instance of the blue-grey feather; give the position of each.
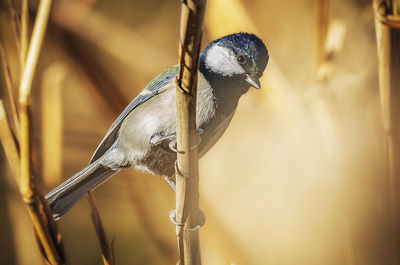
(155, 87)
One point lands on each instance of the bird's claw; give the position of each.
(172, 143)
(157, 139)
(202, 219)
(172, 146)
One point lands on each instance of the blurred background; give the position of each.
(298, 178)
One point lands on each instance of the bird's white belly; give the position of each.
(158, 115)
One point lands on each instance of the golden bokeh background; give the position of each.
(298, 178)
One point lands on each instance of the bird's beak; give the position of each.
(254, 82)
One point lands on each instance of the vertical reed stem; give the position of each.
(388, 40)
(106, 249)
(24, 31)
(48, 239)
(187, 176)
(9, 144)
(9, 91)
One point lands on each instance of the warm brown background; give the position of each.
(298, 178)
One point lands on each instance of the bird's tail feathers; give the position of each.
(66, 195)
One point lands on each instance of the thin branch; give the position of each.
(24, 32)
(44, 226)
(9, 91)
(388, 41)
(187, 175)
(106, 249)
(15, 22)
(9, 145)
(24, 98)
(35, 46)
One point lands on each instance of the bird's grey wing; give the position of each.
(154, 88)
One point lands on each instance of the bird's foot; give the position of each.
(202, 219)
(172, 143)
(158, 139)
(171, 182)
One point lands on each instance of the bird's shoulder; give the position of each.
(157, 86)
(162, 78)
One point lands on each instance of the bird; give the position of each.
(144, 134)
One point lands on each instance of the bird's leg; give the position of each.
(157, 139)
(172, 143)
(171, 182)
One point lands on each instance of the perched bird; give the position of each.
(141, 136)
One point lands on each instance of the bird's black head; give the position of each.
(239, 54)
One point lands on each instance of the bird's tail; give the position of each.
(66, 195)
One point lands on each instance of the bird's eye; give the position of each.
(241, 59)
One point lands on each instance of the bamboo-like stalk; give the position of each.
(8, 250)
(44, 226)
(9, 91)
(24, 32)
(16, 23)
(106, 249)
(27, 182)
(388, 40)
(187, 175)
(9, 145)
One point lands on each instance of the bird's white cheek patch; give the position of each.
(222, 61)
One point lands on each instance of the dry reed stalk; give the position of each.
(8, 249)
(388, 39)
(187, 173)
(44, 226)
(24, 32)
(106, 249)
(15, 23)
(9, 144)
(9, 91)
